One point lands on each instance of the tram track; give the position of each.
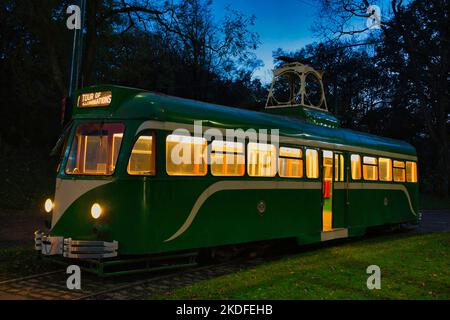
(52, 285)
(30, 277)
(148, 287)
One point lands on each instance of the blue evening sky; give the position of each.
(281, 24)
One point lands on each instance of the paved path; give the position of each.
(434, 221)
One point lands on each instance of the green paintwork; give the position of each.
(142, 212)
(307, 114)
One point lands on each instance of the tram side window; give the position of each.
(356, 166)
(186, 156)
(95, 148)
(399, 171)
(261, 160)
(338, 167)
(227, 158)
(370, 168)
(142, 159)
(290, 163)
(411, 171)
(312, 164)
(385, 169)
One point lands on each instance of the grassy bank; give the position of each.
(412, 267)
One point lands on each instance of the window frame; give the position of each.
(301, 158)
(416, 173)
(319, 166)
(399, 167)
(205, 156)
(210, 153)
(339, 165)
(73, 136)
(360, 167)
(376, 165)
(275, 163)
(154, 147)
(390, 168)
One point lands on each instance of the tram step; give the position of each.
(334, 234)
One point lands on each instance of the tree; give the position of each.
(415, 42)
(148, 44)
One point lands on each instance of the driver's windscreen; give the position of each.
(95, 148)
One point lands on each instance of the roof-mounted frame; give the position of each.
(302, 86)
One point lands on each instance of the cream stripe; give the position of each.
(377, 186)
(240, 185)
(261, 185)
(68, 191)
(170, 126)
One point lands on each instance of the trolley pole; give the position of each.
(77, 53)
(75, 65)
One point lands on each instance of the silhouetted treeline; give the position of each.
(397, 83)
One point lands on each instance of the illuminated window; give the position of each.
(290, 163)
(95, 149)
(186, 156)
(227, 158)
(399, 171)
(411, 171)
(385, 169)
(142, 159)
(262, 160)
(312, 163)
(338, 167)
(356, 166)
(370, 168)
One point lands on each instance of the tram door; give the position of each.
(327, 191)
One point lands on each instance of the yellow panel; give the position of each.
(411, 171)
(399, 164)
(261, 160)
(370, 172)
(290, 152)
(142, 159)
(227, 146)
(399, 175)
(370, 160)
(399, 171)
(290, 168)
(336, 167)
(186, 156)
(227, 159)
(356, 166)
(385, 169)
(312, 163)
(327, 220)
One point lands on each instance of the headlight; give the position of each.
(48, 206)
(96, 211)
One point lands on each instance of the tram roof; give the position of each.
(130, 103)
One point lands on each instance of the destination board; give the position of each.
(95, 99)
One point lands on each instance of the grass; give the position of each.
(412, 267)
(433, 202)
